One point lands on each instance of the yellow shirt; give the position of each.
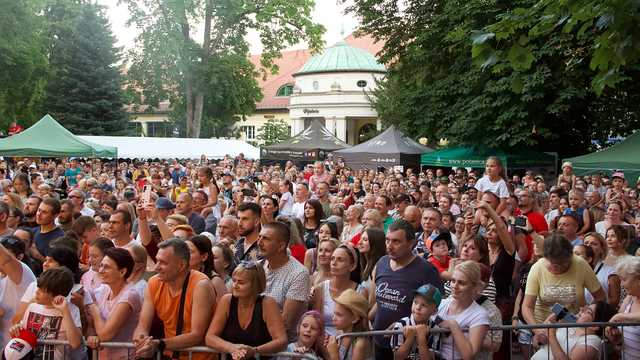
(566, 289)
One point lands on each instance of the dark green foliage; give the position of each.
(84, 90)
(441, 86)
(23, 64)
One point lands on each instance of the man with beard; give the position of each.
(246, 248)
(65, 218)
(30, 210)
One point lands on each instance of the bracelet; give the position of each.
(514, 317)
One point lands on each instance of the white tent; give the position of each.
(181, 148)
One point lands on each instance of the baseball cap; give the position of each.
(20, 347)
(617, 174)
(430, 293)
(165, 204)
(446, 236)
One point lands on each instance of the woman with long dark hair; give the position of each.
(312, 215)
(201, 259)
(372, 247)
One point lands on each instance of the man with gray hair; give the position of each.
(77, 197)
(228, 230)
(175, 287)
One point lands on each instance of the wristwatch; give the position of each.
(161, 345)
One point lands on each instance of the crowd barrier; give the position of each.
(607, 349)
(158, 356)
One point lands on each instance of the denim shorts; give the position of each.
(525, 336)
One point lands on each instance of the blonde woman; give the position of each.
(460, 311)
(246, 322)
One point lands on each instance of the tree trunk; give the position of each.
(197, 113)
(188, 92)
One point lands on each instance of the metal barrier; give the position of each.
(605, 350)
(158, 355)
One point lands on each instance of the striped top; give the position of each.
(631, 344)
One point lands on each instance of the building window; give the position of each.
(285, 90)
(249, 132)
(361, 83)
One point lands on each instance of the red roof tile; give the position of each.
(289, 63)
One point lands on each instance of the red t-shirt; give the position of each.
(298, 251)
(441, 266)
(539, 225)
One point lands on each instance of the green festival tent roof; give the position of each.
(475, 158)
(623, 156)
(47, 138)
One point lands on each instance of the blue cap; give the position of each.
(164, 203)
(430, 293)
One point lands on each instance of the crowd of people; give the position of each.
(257, 259)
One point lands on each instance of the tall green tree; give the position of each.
(84, 91)
(438, 88)
(23, 61)
(171, 63)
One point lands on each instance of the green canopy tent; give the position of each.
(47, 138)
(476, 157)
(623, 156)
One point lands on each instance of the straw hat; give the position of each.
(355, 302)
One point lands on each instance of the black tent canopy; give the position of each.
(311, 144)
(390, 148)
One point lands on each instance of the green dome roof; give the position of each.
(342, 57)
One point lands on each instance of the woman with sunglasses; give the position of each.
(247, 323)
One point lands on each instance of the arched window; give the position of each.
(285, 90)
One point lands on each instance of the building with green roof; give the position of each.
(335, 87)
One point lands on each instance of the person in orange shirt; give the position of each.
(175, 287)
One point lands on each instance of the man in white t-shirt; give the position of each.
(301, 197)
(16, 277)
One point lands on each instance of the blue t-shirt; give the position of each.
(43, 240)
(394, 291)
(70, 174)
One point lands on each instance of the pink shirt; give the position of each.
(315, 180)
(90, 280)
(128, 295)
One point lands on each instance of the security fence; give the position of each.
(606, 349)
(95, 353)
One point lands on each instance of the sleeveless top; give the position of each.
(631, 343)
(394, 291)
(328, 306)
(256, 332)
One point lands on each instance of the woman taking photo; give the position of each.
(474, 249)
(569, 275)
(577, 343)
(459, 311)
(344, 262)
(606, 274)
(117, 305)
(245, 322)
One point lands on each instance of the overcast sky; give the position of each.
(327, 13)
